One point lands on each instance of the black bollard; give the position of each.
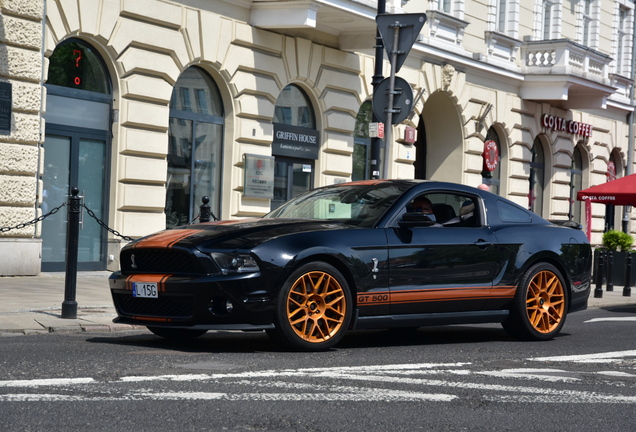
(204, 210)
(610, 267)
(598, 291)
(69, 306)
(627, 290)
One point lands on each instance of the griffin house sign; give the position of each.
(294, 141)
(570, 126)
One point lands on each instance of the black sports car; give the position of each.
(359, 255)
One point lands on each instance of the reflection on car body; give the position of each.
(351, 256)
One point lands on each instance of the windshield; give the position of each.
(357, 204)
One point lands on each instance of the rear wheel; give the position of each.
(540, 305)
(176, 333)
(314, 308)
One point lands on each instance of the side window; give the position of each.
(510, 213)
(449, 210)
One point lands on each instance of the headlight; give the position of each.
(235, 263)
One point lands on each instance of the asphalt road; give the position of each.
(443, 378)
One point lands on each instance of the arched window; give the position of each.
(194, 153)
(576, 184)
(537, 178)
(295, 145)
(492, 178)
(76, 151)
(76, 65)
(362, 143)
(294, 109)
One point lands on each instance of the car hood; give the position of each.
(240, 234)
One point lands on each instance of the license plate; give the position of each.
(145, 289)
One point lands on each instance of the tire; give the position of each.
(314, 308)
(176, 333)
(540, 306)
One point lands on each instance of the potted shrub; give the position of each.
(619, 244)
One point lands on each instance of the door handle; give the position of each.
(483, 243)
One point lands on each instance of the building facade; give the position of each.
(148, 106)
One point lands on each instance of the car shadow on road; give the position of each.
(249, 342)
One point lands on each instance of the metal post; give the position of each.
(610, 265)
(598, 291)
(388, 136)
(627, 290)
(69, 306)
(204, 210)
(376, 143)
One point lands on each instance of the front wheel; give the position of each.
(540, 305)
(314, 308)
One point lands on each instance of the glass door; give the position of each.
(291, 177)
(74, 158)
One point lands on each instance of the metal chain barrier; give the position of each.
(34, 221)
(106, 227)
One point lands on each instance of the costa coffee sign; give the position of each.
(570, 126)
(491, 155)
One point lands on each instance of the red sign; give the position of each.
(409, 134)
(491, 155)
(611, 171)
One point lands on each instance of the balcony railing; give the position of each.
(564, 57)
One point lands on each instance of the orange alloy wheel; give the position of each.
(545, 303)
(316, 306)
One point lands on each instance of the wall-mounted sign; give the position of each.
(259, 176)
(491, 155)
(294, 141)
(5, 108)
(410, 134)
(611, 171)
(570, 126)
(376, 130)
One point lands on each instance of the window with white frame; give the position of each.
(624, 21)
(586, 21)
(445, 6)
(504, 17)
(451, 7)
(549, 18)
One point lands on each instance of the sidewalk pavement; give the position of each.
(33, 304)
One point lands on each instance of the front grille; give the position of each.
(172, 307)
(170, 261)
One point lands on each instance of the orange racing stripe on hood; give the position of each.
(165, 239)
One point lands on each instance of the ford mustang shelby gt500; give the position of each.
(360, 255)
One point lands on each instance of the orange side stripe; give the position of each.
(437, 295)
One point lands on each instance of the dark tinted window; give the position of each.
(511, 213)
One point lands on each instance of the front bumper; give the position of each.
(238, 302)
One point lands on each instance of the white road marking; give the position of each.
(46, 382)
(614, 319)
(314, 384)
(589, 358)
(533, 374)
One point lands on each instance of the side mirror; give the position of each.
(415, 219)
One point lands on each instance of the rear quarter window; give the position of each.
(513, 214)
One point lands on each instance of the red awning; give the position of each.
(621, 191)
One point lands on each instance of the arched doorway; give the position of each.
(194, 153)
(295, 145)
(76, 149)
(442, 140)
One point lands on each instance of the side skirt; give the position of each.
(429, 319)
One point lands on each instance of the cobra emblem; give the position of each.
(132, 261)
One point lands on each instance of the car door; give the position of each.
(447, 267)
